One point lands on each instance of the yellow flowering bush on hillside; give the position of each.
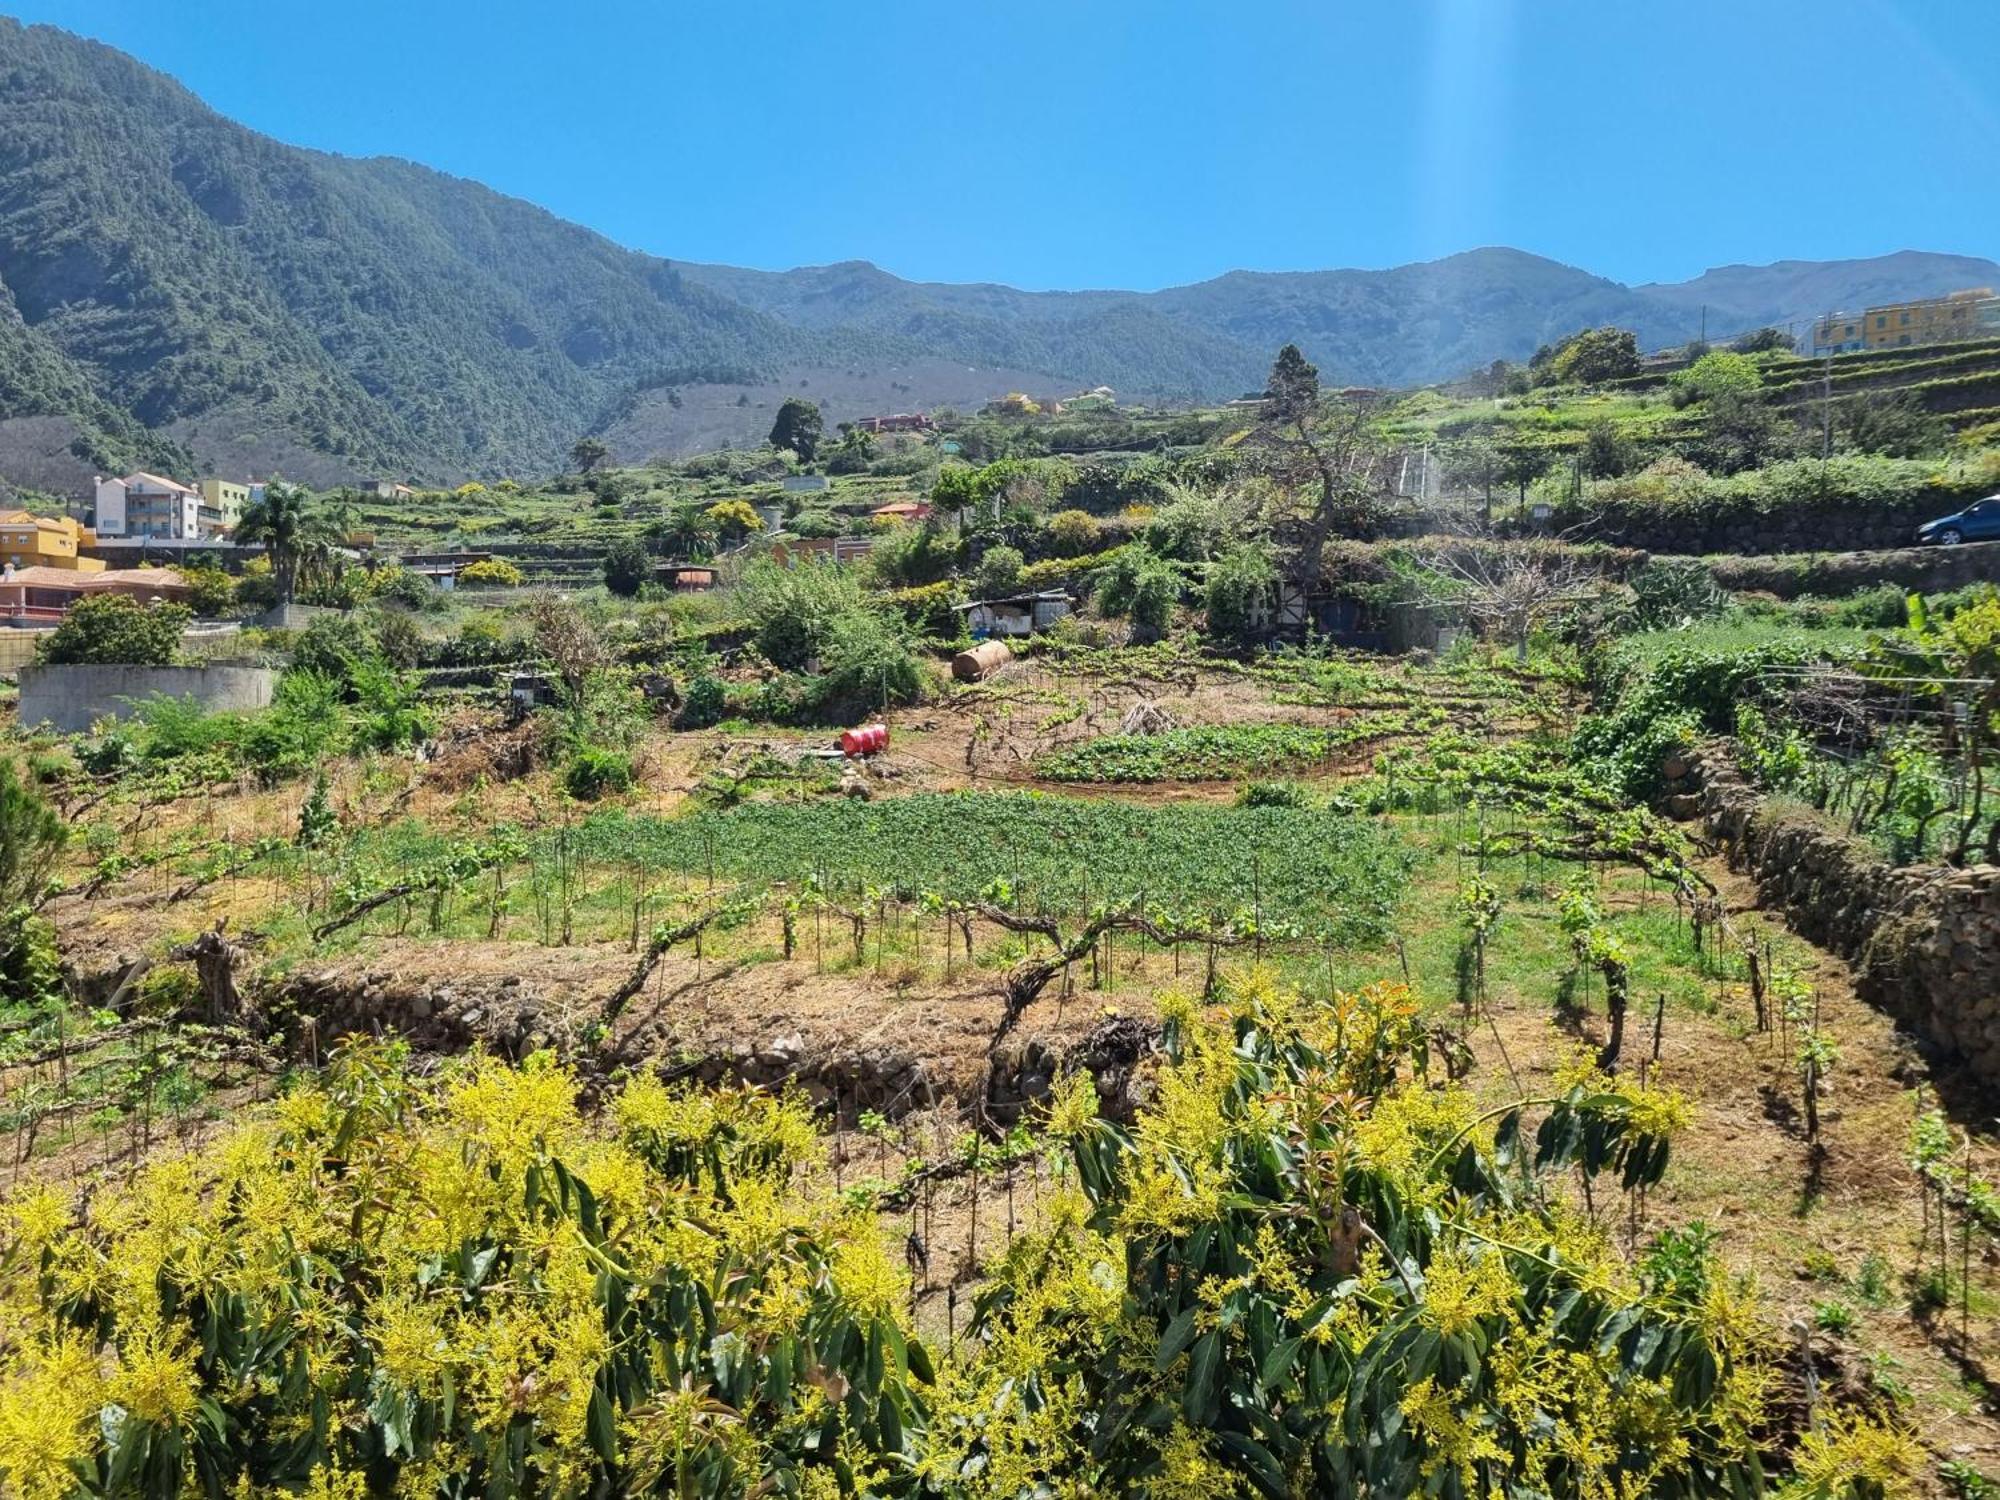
(393, 1288)
(1306, 1269)
(1309, 1269)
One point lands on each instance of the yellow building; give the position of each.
(221, 505)
(1970, 314)
(46, 542)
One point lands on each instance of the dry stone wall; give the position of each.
(1925, 569)
(1924, 941)
(508, 1018)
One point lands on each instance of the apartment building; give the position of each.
(147, 505)
(222, 505)
(1970, 314)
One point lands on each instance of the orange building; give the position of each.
(28, 541)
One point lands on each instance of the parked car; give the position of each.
(1978, 522)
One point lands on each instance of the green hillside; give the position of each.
(373, 310)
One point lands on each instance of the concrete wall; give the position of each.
(72, 698)
(291, 616)
(1924, 941)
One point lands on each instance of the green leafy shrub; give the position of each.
(114, 629)
(30, 960)
(1237, 591)
(791, 610)
(703, 704)
(304, 723)
(999, 572)
(1071, 533)
(910, 556)
(628, 567)
(930, 610)
(211, 591)
(870, 662)
(1712, 375)
(389, 710)
(1141, 586)
(398, 585)
(595, 772)
(334, 647)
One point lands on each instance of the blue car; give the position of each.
(1978, 522)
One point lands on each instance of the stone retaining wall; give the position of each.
(508, 1019)
(1802, 528)
(1923, 940)
(1926, 569)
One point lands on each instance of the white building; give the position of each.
(143, 504)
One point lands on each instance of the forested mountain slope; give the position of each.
(215, 283)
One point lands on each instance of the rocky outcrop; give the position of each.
(1924, 941)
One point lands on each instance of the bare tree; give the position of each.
(569, 642)
(1510, 589)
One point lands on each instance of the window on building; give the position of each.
(1906, 320)
(1882, 320)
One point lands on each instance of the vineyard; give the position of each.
(1157, 1072)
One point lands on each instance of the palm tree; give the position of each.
(299, 533)
(686, 533)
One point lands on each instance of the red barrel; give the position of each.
(869, 739)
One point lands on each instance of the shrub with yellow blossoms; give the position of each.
(1306, 1269)
(390, 1288)
(1310, 1270)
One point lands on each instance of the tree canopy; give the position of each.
(113, 629)
(797, 427)
(301, 534)
(1293, 389)
(1588, 357)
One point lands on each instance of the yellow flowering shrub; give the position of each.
(469, 1286)
(1306, 1268)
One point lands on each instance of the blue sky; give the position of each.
(1073, 143)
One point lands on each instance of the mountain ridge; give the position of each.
(177, 289)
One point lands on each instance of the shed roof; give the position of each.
(1016, 601)
(161, 579)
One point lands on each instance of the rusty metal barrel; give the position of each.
(982, 661)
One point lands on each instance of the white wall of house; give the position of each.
(110, 507)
